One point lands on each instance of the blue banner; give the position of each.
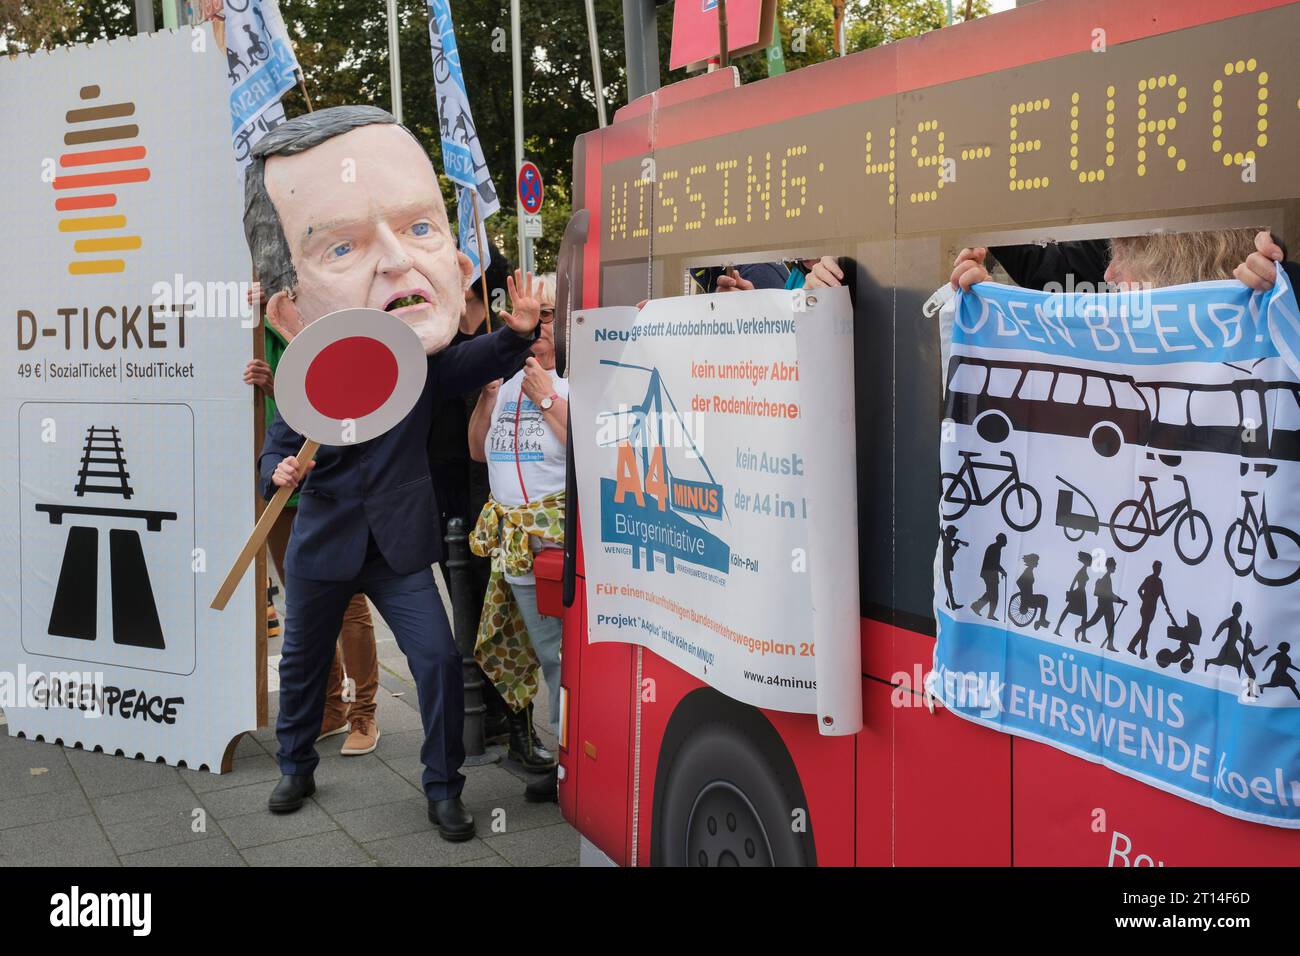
(1118, 572)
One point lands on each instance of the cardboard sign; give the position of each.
(718, 493)
(121, 402)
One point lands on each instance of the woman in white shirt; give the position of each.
(520, 428)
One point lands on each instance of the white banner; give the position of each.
(462, 153)
(1118, 572)
(129, 432)
(718, 492)
(261, 67)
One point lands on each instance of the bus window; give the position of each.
(1173, 406)
(1096, 392)
(1286, 410)
(968, 378)
(1215, 408)
(1003, 382)
(1038, 385)
(1068, 387)
(1251, 412)
(1126, 396)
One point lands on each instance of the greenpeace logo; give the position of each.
(77, 909)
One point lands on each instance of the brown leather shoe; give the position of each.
(363, 739)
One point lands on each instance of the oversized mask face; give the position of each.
(366, 225)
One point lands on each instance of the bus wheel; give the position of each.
(725, 805)
(1107, 441)
(993, 428)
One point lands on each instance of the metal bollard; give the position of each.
(465, 626)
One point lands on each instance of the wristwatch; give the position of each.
(546, 403)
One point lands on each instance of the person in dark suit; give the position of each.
(367, 521)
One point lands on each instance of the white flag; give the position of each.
(261, 67)
(462, 154)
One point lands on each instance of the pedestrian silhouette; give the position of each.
(1281, 677)
(991, 572)
(951, 545)
(1104, 590)
(1229, 655)
(1076, 599)
(1151, 591)
(1029, 601)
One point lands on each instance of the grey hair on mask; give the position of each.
(272, 258)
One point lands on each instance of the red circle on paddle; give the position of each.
(351, 377)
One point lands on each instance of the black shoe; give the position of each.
(544, 789)
(290, 793)
(496, 729)
(525, 749)
(455, 824)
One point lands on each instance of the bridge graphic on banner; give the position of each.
(648, 505)
(135, 613)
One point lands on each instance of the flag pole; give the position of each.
(484, 256)
(593, 37)
(394, 60)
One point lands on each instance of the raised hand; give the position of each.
(525, 303)
(537, 383)
(969, 269)
(825, 273)
(1259, 271)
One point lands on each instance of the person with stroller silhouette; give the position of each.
(1150, 591)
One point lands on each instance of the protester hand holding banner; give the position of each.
(719, 492)
(1103, 450)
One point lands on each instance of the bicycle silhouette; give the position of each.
(1136, 520)
(1021, 504)
(1241, 545)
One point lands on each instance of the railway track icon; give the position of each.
(75, 610)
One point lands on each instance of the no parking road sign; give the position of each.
(346, 378)
(530, 188)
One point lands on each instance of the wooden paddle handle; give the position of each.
(261, 530)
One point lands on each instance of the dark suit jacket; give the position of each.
(381, 487)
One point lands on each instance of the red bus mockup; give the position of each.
(1060, 120)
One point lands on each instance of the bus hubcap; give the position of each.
(725, 829)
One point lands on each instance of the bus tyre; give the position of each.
(993, 428)
(724, 804)
(1107, 440)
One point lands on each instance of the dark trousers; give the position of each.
(410, 604)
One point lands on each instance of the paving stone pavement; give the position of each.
(63, 807)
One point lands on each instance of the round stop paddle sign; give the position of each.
(350, 376)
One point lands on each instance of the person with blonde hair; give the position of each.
(1152, 261)
(520, 428)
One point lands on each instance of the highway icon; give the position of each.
(648, 504)
(108, 564)
(75, 610)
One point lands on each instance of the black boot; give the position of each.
(544, 789)
(455, 823)
(525, 749)
(290, 793)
